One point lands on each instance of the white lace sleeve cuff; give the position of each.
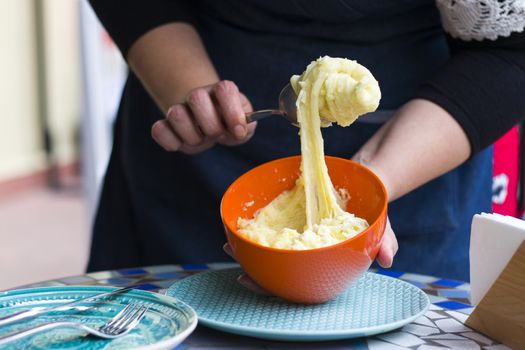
(479, 20)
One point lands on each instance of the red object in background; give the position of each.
(506, 174)
(106, 39)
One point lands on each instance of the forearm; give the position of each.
(420, 143)
(170, 61)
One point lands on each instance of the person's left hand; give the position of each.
(243, 278)
(389, 247)
(385, 257)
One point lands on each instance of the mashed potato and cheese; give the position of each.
(311, 215)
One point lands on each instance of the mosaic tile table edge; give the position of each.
(441, 327)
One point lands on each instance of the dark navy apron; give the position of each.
(158, 207)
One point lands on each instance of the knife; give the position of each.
(26, 314)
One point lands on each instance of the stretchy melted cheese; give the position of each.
(311, 215)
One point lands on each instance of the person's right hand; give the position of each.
(213, 113)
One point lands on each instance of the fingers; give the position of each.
(165, 136)
(182, 123)
(245, 103)
(247, 107)
(388, 249)
(205, 113)
(214, 113)
(228, 250)
(228, 139)
(228, 97)
(207, 143)
(244, 279)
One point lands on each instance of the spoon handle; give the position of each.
(264, 113)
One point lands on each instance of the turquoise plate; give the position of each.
(374, 304)
(167, 322)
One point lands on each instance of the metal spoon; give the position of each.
(287, 108)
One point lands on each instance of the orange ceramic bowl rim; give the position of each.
(382, 214)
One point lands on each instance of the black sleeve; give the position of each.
(127, 20)
(482, 86)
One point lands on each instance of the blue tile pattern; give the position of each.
(444, 294)
(190, 267)
(147, 286)
(355, 344)
(391, 273)
(452, 305)
(418, 284)
(168, 275)
(447, 283)
(132, 272)
(454, 293)
(115, 281)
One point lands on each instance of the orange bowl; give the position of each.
(314, 275)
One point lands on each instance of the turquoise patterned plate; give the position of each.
(374, 304)
(167, 322)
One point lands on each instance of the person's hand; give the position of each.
(243, 279)
(388, 248)
(214, 113)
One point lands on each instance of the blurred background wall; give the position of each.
(20, 138)
(60, 80)
(21, 135)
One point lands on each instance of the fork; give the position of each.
(123, 322)
(26, 314)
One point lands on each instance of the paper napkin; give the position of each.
(494, 240)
